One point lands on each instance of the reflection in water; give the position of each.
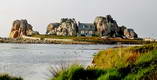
(31, 61)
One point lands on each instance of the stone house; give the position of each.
(86, 29)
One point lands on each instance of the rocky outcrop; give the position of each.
(52, 28)
(67, 27)
(103, 27)
(130, 34)
(127, 33)
(20, 28)
(106, 26)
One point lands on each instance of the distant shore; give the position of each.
(43, 39)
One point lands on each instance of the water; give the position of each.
(32, 61)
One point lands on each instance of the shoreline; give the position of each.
(110, 41)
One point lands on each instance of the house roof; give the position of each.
(55, 24)
(86, 25)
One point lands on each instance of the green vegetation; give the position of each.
(77, 72)
(93, 40)
(124, 63)
(53, 36)
(7, 77)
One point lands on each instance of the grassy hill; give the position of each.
(7, 77)
(127, 63)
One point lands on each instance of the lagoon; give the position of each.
(33, 61)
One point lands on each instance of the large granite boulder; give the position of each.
(52, 28)
(106, 26)
(121, 31)
(130, 34)
(101, 25)
(66, 27)
(127, 33)
(20, 28)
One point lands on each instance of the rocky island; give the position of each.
(102, 26)
(103, 30)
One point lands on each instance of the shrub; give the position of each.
(131, 63)
(7, 77)
(77, 72)
(111, 75)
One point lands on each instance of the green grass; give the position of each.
(112, 74)
(94, 39)
(7, 77)
(53, 36)
(144, 65)
(129, 63)
(77, 72)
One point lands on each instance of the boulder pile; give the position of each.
(107, 26)
(104, 27)
(66, 27)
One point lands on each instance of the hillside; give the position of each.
(124, 63)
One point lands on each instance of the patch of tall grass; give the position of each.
(7, 77)
(128, 63)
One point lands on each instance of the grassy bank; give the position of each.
(127, 63)
(92, 40)
(51, 39)
(7, 77)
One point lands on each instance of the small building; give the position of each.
(86, 29)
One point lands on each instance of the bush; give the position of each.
(111, 75)
(77, 72)
(131, 63)
(7, 77)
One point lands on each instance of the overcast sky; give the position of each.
(141, 15)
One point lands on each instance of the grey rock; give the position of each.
(106, 26)
(130, 34)
(102, 26)
(66, 27)
(20, 28)
(52, 28)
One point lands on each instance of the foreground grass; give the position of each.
(128, 63)
(122, 57)
(7, 77)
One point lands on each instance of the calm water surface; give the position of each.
(32, 61)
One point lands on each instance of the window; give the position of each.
(82, 32)
(90, 32)
(83, 26)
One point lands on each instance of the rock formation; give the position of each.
(103, 27)
(127, 33)
(52, 28)
(106, 26)
(67, 27)
(20, 28)
(130, 34)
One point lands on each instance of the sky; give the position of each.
(141, 15)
